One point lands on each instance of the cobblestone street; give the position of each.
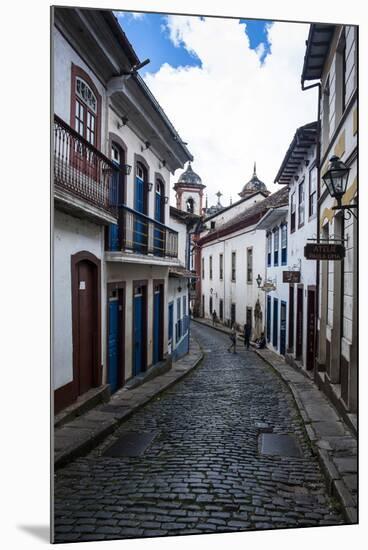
(203, 471)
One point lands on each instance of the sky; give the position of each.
(231, 88)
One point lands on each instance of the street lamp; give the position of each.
(336, 180)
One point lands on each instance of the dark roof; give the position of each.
(253, 185)
(304, 137)
(189, 178)
(318, 46)
(250, 216)
(120, 35)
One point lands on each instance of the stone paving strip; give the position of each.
(332, 441)
(82, 434)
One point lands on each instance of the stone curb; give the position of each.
(85, 438)
(335, 483)
(336, 486)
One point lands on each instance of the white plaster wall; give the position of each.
(239, 292)
(235, 210)
(181, 228)
(196, 201)
(71, 235)
(128, 273)
(296, 242)
(134, 146)
(64, 56)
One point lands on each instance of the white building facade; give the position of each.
(337, 76)
(297, 276)
(232, 256)
(114, 152)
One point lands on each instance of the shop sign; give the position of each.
(318, 251)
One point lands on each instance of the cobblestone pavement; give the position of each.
(203, 472)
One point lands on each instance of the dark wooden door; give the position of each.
(299, 323)
(311, 328)
(87, 325)
(283, 328)
(291, 318)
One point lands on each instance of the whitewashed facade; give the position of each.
(112, 243)
(299, 172)
(232, 255)
(337, 73)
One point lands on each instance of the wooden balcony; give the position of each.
(139, 234)
(85, 180)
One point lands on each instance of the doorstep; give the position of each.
(83, 404)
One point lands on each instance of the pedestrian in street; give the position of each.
(246, 335)
(214, 317)
(261, 342)
(233, 339)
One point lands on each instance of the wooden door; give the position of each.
(113, 344)
(268, 320)
(311, 328)
(291, 318)
(299, 323)
(275, 325)
(87, 325)
(283, 328)
(157, 324)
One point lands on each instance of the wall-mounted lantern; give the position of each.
(166, 200)
(336, 180)
(259, 280)
(127, 168)
(150, 186)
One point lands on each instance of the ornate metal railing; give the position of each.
(82, 169)
(139, 233)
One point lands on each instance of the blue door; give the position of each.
(275, 322)
(113, 343)
(113, 233)
(140, 229)
(283, 328)
(268, 318)
(138, 333)
(157, 323)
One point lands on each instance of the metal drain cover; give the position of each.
(130, 444)
(279, 444)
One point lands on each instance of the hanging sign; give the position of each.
(291, 277)
(318, 251)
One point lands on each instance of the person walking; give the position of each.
(214, 317)
(246, 335)
(233, 339)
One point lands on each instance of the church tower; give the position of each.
(189, 192)
(254, 185)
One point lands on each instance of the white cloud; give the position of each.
(234, 110)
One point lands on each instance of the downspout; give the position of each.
(318, 159)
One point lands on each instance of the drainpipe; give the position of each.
(318, 159)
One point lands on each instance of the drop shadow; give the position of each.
(41, 532)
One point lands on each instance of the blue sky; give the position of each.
(150, 38)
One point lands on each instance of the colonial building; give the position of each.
(231, 255)
(189, 192)
(291, 307)
(114, 150)
(274, 222)
(179, 287)
(331, 60)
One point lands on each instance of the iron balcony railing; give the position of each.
(83, 170)
(139, 233)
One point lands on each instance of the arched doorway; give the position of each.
(86, 321)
